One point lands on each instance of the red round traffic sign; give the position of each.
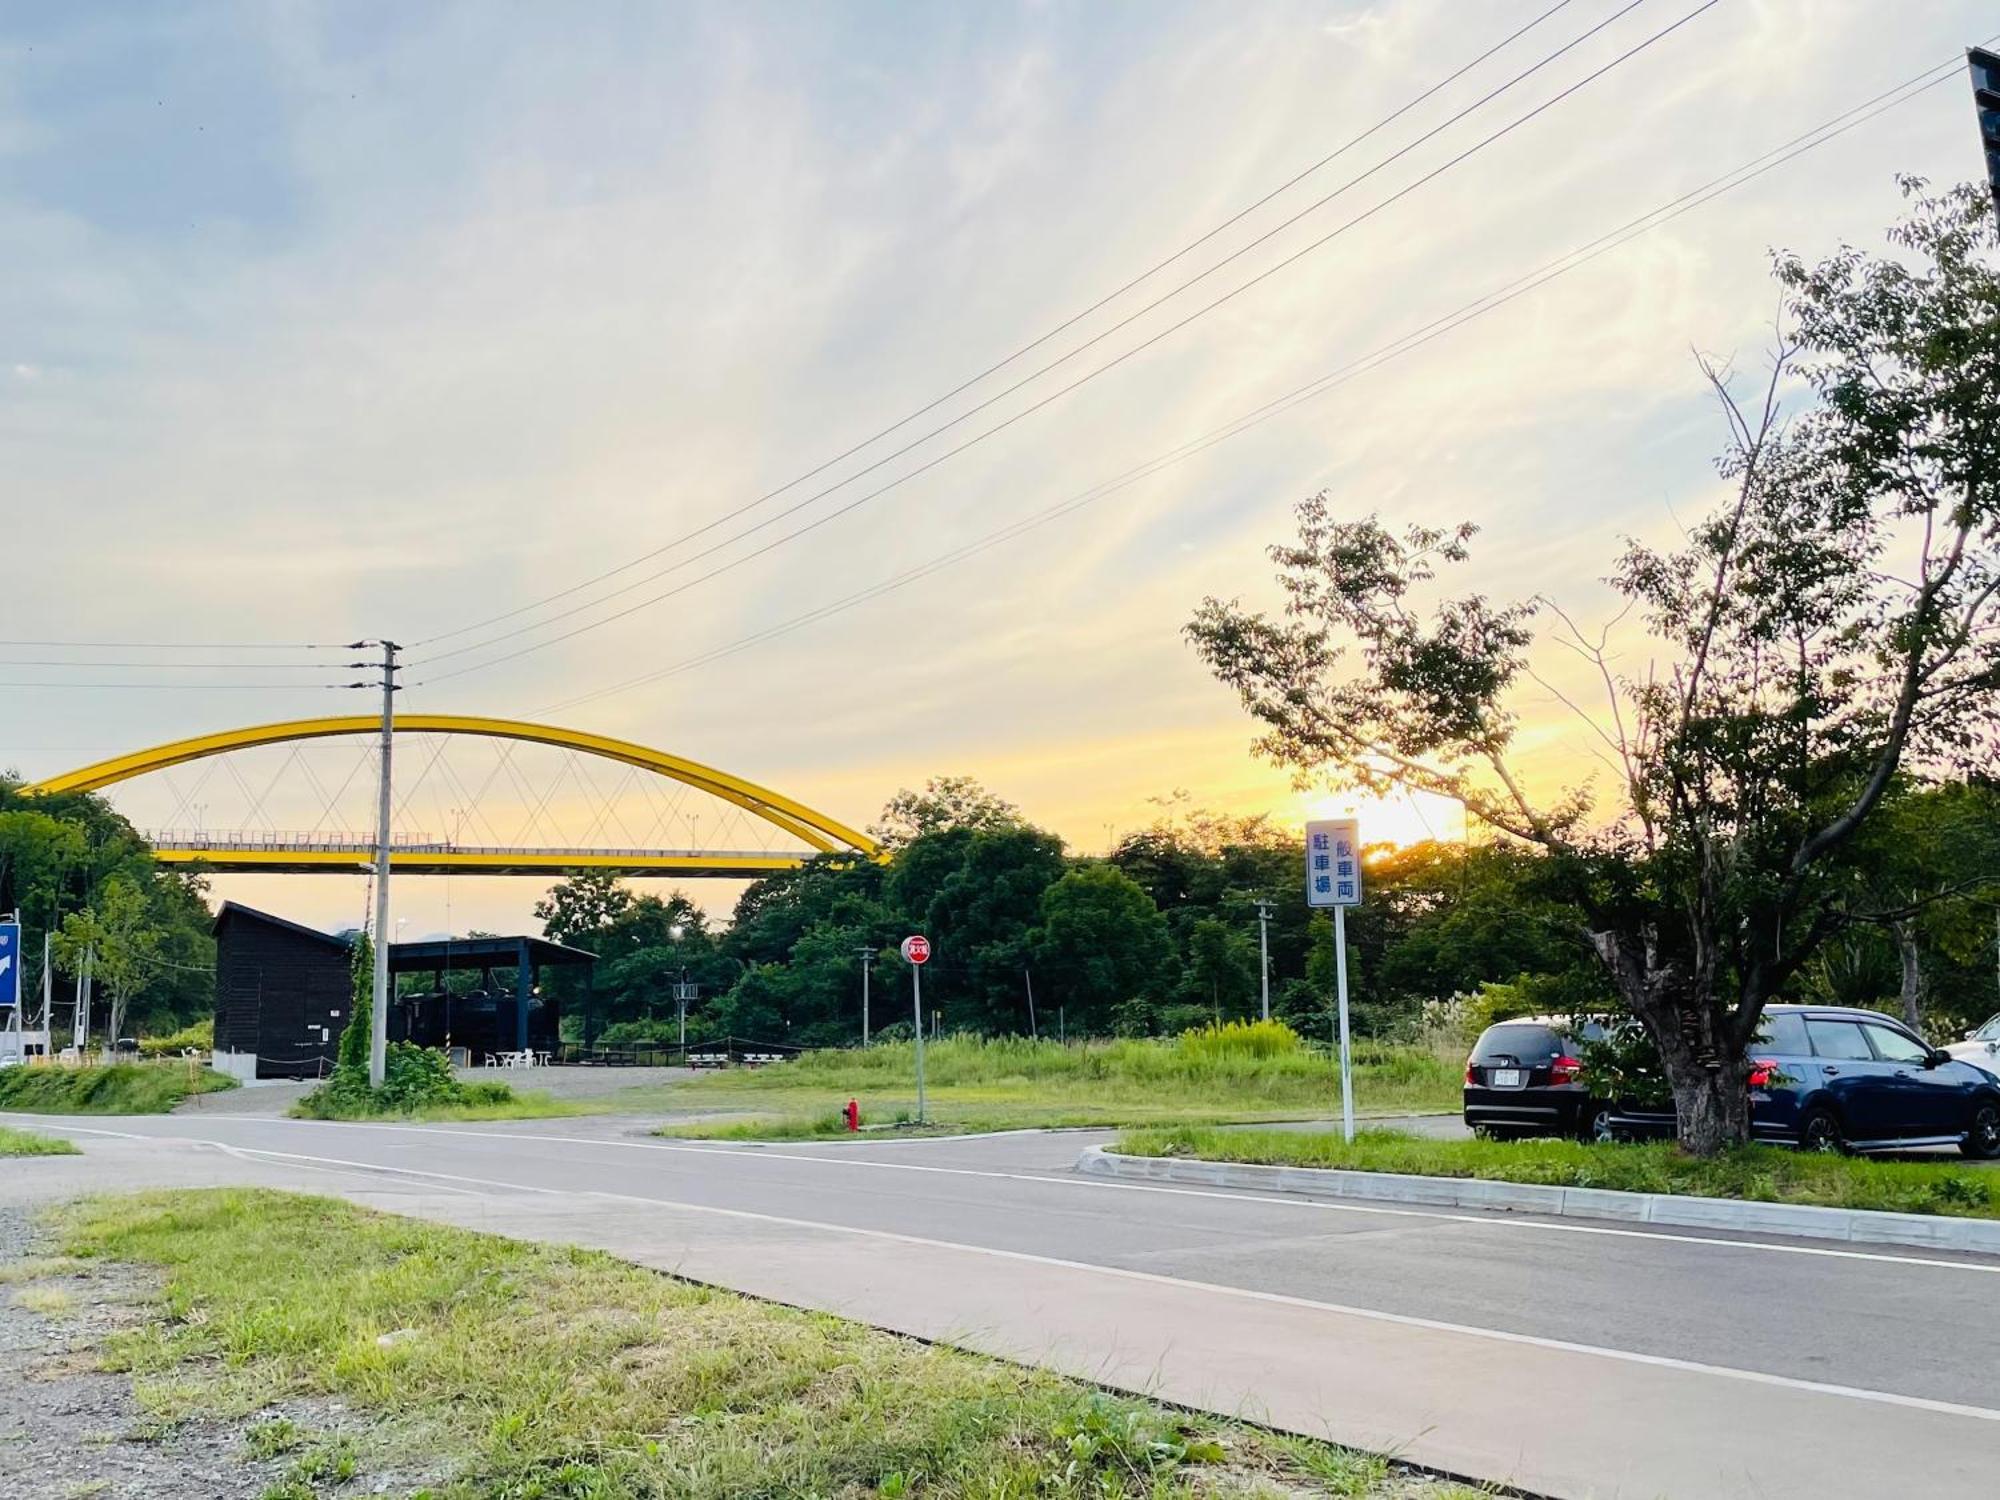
(916, 948)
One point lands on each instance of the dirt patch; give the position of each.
(70, 1429)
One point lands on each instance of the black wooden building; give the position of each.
(282, 991)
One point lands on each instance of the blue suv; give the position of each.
(1828, 1078)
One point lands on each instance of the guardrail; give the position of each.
(717, 1052)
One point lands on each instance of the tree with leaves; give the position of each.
(116, 938)
(945, 803)
(1103, 950)
(581, 905)
(1830, 627)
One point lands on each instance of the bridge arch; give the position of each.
(820, 832)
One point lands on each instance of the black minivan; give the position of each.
(1525, 1077)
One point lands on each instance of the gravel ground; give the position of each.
(69, 1430)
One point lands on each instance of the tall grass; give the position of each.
(1237, 1072)
(1254, 1060)
(1769, 1174)
(33, 1143)
(1194, 1057)
(147, 1088)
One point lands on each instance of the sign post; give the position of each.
(916, 951)
(1333, 879)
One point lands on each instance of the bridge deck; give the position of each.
(340, 856)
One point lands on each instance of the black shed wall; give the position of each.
(281, 991)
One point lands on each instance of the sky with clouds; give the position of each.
(339, 320)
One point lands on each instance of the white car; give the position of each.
(1981, 1046)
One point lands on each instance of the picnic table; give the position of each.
(522, 1059)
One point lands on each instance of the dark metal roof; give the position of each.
(482, 953)
(237, 909)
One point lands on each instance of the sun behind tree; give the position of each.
(1834, 627)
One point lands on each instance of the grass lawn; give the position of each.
(1011, 1083)
(33, 1143)
(143, 1088)
(550, 1374)
(1766, 1174)
(533, 1104)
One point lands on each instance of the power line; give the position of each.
(1075, 318)
(191, 666)
(1046, 400)
(1019, 385)
(177, 646)
(198, 687)
(1644, 223)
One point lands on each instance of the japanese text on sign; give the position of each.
(1333, 862)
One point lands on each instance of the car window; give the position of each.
(1785, 1034)
(1892, 1046)
(1990, 1032)
(1523, 1042)
(1840, 1041)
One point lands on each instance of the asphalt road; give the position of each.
(1568, 1359)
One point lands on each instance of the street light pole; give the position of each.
(677, 932)
(378, 1016)
(1264, 952)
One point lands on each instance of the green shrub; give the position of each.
(1238, 1039)
(196, 1036)
(413, 1078)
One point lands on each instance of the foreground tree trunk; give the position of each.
(1711, 1109)
(1705, 1070)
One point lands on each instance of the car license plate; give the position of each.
(1505, 1078)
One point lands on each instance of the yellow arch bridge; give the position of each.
(335, 854)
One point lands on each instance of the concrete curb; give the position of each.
(1849, 1225)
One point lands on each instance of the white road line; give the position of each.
(1486, 1221)
(1069, 1181)
(1400, 1320)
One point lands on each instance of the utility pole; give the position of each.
(1264, 952)
(83, 1001)
(1029, 980)
(867, 958)
(378, 1011)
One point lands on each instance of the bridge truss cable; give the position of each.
(1632, 229)
(1430, 91)
(933, 462)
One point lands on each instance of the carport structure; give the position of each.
(484, 1021)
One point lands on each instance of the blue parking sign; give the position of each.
(1333, 862)
(10, 964)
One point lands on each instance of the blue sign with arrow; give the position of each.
(10, 964)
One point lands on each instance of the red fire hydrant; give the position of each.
(853, 1114)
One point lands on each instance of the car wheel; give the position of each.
(1820, 1131)
(1597, 1125)
(1982, 1135)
